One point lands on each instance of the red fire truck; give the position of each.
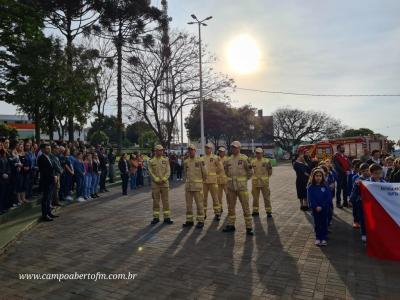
(354, 146)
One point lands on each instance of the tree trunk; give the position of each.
(51, 122)
(69, 73)
(59, 132)
(119, 88)
(37, 126)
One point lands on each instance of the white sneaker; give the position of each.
(364, 238)
(324, 243)
(317, 243)
(68, 198)
(80, 199)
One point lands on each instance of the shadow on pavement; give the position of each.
(277, 270)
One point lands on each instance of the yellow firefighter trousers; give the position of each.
(160, 193)
(221, 189)
(244, 201)
(197, 196)
(213, 189)
(266, 193)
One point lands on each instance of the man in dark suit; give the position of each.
(48, 180)
(104, 164)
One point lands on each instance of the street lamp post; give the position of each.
(201, 23)
(252, 137)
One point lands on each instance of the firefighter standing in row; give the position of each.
(222, 179)
(195, 174)
(262, 169)
(239, 171)
(160, 171)
(214, 168)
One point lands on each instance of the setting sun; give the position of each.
(244, 54)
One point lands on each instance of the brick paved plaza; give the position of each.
(113, 235)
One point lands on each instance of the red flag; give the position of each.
(381, 205)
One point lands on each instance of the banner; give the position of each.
(381, 205)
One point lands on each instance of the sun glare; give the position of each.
(244, 54)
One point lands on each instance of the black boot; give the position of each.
(269, 215)
(255, 214)
(199, 225)
(155, 221)
(249, 231)
(168, 221)
(229, 228)
(187, 224)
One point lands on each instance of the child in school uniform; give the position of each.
(355, 197)
(330, 184)
(319, 197)
(376, 173)
(388, 168)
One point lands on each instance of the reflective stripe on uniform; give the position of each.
(260, 177)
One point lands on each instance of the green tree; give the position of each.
(19, 24)
(8, 132)
(27, 80)
(357, 132)
(222, 122)
(140, 133)
(216, 117)
(38, 86)
(71, 18)
(99, 138)
(124, 22)
(107, 124)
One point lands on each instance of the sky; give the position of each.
(313, 46)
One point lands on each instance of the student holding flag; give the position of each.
(356, 199)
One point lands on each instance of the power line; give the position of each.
(317, 95)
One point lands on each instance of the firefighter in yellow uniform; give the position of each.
(262, 169)
(214, 168)
(239, 171)
(222, 179)
(195, 173)
(160, 171)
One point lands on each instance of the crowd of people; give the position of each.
(68, 171)
(60, 171)
(319, 182)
